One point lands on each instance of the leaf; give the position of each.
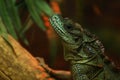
(43, 7)
(2, 27)
(28, 23)
(6, 19)
(11, 18)
(3, 31)
(35, 15)
(13, 13)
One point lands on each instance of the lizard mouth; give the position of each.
(57, 23)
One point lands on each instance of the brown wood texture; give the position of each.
(16, 63)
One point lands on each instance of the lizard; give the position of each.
(84, 51)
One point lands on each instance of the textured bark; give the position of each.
(16, 63)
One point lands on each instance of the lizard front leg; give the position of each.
(62, 74)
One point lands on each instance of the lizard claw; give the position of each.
(43, 64)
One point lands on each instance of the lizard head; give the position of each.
(68, 30)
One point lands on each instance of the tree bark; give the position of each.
(16, 63)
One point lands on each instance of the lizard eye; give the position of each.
(69, 27)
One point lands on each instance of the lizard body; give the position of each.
(83, 50)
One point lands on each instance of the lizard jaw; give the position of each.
(57, 23)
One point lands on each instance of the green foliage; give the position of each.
(3, 31)
(10, 16)
(35, 15)
(43, 7)
(4, 13)
(36, 8)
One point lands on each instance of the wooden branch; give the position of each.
(16, 63)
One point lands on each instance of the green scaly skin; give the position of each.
(83, 50)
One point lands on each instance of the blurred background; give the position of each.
(101, 17)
